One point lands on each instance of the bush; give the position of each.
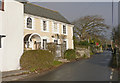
(36, 60)
(52, 47)
(70, 54)
(84, 43)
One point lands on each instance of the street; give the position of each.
(94, 69)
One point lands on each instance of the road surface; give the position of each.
(94, 69)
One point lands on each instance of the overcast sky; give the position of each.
(75, 10)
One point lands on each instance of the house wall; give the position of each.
(1, 49)
(37, 28)
(12, 27)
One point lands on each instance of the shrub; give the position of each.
(52, 47)
(57, 63)
(70, 54)
(36, 60)
(84, 43)
(85, 56)
(91, 53)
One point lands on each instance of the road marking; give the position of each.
(112, 69)
(111, 73)
(111, 77)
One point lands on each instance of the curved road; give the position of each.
(94, 69)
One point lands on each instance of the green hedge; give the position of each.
(70, 54)
(37, 60)
(84, 43)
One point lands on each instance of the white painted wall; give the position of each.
(1, 49)
(12, 26)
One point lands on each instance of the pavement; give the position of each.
(14, 75)
(94, 69)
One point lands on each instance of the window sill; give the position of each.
(45, 31)
(64, 34)
(2, 10)
(29, 29)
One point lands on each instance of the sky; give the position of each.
(74, 10)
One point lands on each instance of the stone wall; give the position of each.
(83, 52)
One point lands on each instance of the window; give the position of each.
(64, 29)
(65, 44)
(56, 41)
(44, 43)
(2, 5)
(44, 26)
(0, 42)
(1, 36)
(55, 27)
(29, 22)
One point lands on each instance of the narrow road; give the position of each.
(94, 69)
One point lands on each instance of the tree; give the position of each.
(61, 37)
(89, 27)
(116, 35)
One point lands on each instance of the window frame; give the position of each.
(43, 44)
(31, 23)
(64, 26)
(44, 25)
(55, 27)
(55, 40)
(2, 5)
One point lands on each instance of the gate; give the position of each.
(58, 50)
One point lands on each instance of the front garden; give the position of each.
(38, 60)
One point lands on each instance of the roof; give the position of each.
(44, 12)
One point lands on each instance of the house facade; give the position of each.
(41, 25)
(27, 26)
(11, 27)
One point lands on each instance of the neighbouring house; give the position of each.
(42, 24)
(11, 26)
(28, 26)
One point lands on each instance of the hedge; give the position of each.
(70, 54)
(37, 60)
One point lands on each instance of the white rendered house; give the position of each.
(11, 26)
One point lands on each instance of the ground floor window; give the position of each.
(56, 41)
(44, 43)
(26, 44)
(65, 44)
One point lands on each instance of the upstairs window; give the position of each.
(2, 5)
(55, 27)
(64, 29)
(29, 22)
(44, 26)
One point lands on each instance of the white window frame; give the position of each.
(66, 29)
(66, 44)
(33, 23)
(53, 27)
(47, 25)
(44, 37)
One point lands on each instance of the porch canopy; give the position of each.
(31, 37)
